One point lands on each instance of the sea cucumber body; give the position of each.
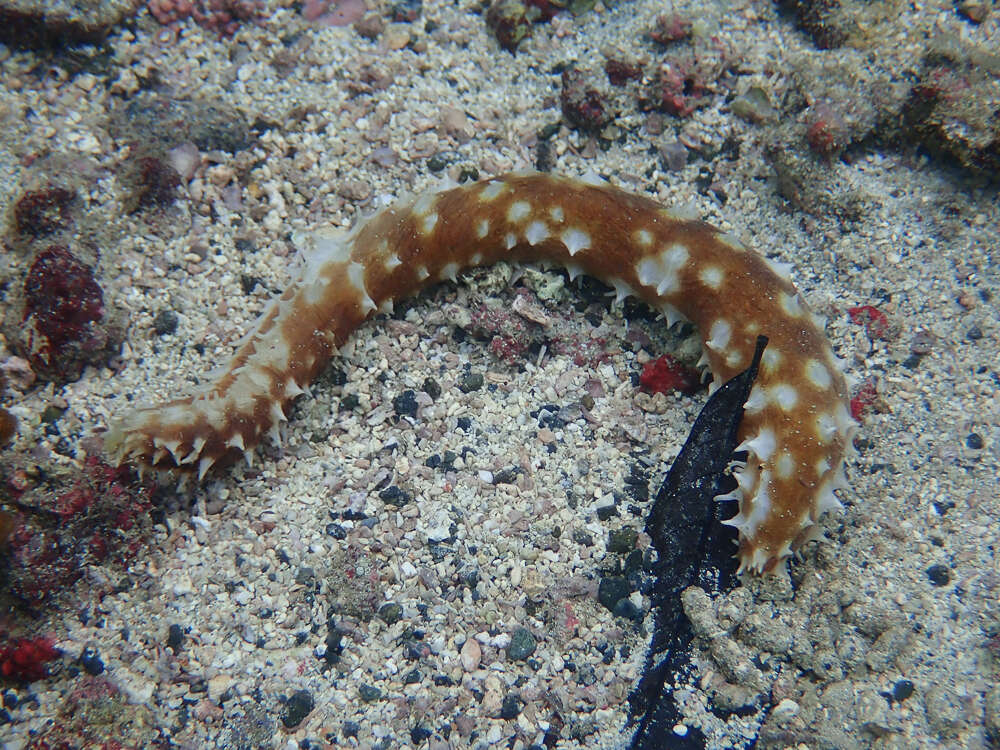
(796, 427)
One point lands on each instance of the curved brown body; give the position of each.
(796, 427)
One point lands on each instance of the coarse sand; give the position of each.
(430, 579)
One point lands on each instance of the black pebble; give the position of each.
(165, 322)
(939, 575)
(432, 389)
(351, 728)
(974, 334)
(511, 707)
(471, 381)
(974, 441)
(902, 690)
(390, 613)
(369, 693)
(419, 734)
(622, 541)
(297, 708)
(394, 496)
(91, 661)
(175, 637)
(611, 590)
(336, 531)
(248, 283)
(607, 511)
(413, 677)
(625, 608)
(405, 404)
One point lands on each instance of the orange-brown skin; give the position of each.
(796, 427)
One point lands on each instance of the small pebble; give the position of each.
(612, 590)
(390, 613)
(175, 637)
(165, 323)
(939, 575)
(297, 708)
(471, 381)
(522, 644)
(91, 662)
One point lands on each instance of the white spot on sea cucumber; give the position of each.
(204, 465)
(718, 335)
(575, 240)
(449, 271)
(784, 466)
(573, 270)
(770, 359)
(826, 427)
(518, 211)
(316, 291)
(759, 506)
(590, 177)
(622, 290)
(822, 466)
(729, 240)
(427, 225)
(661, 270)
(711, 276)
(781, 269)
(536, 232)
(556, 213)
(785, 396)
(826, 500)
(482, 228)
(356, 276)
(817, 374)
(763, 444)
(387, 306)
(733, 359)
(423, 273)
(510, 240)
(476, 258)
(493, 190)
(392, 261)
(672, 314)
(756, 401)
(424, 204)
(844, 422)
(236, 441)
(644, 237)
(790, 304)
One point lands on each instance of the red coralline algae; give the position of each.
(25, 659)
(582, 106)
(221, 16)
(100, 515)
(874, 320)
(864, 399)
(41, 212)
(665, 374)
(63, 315)
(510, 335)
(154, 182)
(827, 131)
(677, 89)
(620, 72)
(670, 29)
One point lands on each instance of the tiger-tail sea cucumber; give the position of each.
(796, 427)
